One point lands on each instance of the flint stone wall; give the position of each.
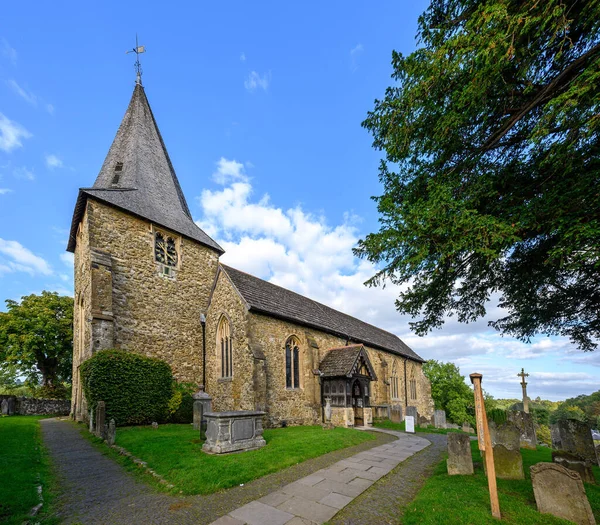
(28, 406)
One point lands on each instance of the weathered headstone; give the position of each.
(100, 417)
(423, 421)
(4, 407)
(11, 406)
(439, 419)
(206, 401)
(581, 466)
(409, 424)
(111, 435)
(467, 428)
(575, 437)
(524, 422)
(560, 492)
(555, 437)
(396, 414)
(328, 410)
(412, 411)
(198, 414)
(460, 461)
(91, 420)
(506, 441)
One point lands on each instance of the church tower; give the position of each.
(143, 269)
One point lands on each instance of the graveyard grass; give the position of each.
(400, 427)
(465, 499)
(24, 465)
(174, 452)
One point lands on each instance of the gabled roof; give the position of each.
(138, 177)
(264, 297)
(342, 362)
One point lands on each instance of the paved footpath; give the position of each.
(317, 498)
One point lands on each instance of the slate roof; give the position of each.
(264, 297)
(340, 361)
(146, 185)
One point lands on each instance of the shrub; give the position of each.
(543, 435)
(181, 404)
(58, 391)
(135, 388)
(497, 415)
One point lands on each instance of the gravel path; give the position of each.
(384, 502)
(96, 490)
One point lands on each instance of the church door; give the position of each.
(358, 404)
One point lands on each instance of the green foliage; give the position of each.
(135, 388)
(543, 435)
(450, 392)
(491, 138)
(181, 404)
(36, 339)
(497, 415)
(566, 411)
(541, 416)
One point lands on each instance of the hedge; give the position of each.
(181, 405)
(135, 388)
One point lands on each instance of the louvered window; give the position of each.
(165, 249)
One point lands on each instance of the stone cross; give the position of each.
(523, 375)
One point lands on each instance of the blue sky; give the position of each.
(260, 106)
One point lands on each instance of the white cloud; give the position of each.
(355, 52)
(255, 81)
(23, 173)
(53, 161)
(17, 258)
(68, 259)
(8, 52)
(50, 109)
(4, 191)
(25, 94)
(228, 171)
(243, 57)
(11, 134)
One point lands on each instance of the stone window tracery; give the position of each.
(165, 249)
(292, 363)
(413, 388)
(225, 347)
(394, 383)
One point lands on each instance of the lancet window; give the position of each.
(292, 363)
(225, 347)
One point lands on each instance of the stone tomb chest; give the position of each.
(233, 431)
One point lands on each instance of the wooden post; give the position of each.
(485, 443)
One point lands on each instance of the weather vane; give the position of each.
(138, 67)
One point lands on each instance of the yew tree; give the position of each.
(491, 169)
(36, 338)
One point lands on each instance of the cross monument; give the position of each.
(523, 375)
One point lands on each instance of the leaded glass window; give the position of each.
(225, 347)
(292, 363)
(165, 249)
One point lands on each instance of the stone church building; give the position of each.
(149, 280)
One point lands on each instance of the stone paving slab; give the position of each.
(317, 498)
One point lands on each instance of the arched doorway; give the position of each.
(358, 403)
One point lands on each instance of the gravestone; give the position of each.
(555, 437)
(575, 437)
(582, 467)
(506, 442)
(111, 435)
(198, 414)
(409, 424)
(439, 419)
(4, 407)
(205, 400)
(467, 428)
(524, 422)
(234, 431)
(396, 414)
(460, 461)
(560, 492)
(91, 429)
(328, 410)
(100, 417)
(412, 411)
(154, 425)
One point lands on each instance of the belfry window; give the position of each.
(292, 363)
(225, 347)
(165, 249)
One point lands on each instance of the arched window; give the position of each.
(165, 249)
(394, 383)
(225, 347)
(292, 363)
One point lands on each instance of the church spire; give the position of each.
(137, 176)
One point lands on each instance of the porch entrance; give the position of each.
(358, 404)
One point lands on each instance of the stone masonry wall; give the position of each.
(30, 406)
(154, 315)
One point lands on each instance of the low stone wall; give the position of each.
(28, 406)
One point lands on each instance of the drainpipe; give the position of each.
(203, 323)
(405, 384)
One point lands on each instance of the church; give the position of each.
(149, 280)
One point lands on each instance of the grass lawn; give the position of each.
(400, 427)
(24, 465)
(174, 452)
(465, 499)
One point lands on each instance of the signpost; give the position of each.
(485, 443)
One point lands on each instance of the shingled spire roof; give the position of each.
(137, 176)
